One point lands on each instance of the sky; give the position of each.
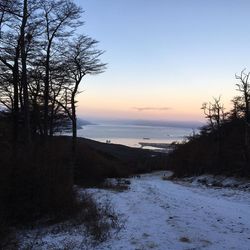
(165, 57)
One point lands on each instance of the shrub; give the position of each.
(100, 219)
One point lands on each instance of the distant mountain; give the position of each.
(82, 122)
(155, 123)
(176, 124)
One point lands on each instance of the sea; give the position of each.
(133, 135)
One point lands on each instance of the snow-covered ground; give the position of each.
(163, 215)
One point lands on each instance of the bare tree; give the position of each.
(244, 87)
(24, 81)
(15, 41)
(82, 59)
(10, 53)
(61, 16)
(214, 112)
(238, 108)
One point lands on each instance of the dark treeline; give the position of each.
(43, 60)
(222, 146)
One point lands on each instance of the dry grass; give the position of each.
(100, 219)
(118, 185)
(167, 178)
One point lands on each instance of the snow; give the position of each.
(162, 214)
(219, 181)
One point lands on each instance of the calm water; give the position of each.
(131, 135)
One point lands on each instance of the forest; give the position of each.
(222, 145)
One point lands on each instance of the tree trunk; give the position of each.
(24, 74)
(74, 124)
(247, 124)
(51, 120)
(16, 99)
(46, 93)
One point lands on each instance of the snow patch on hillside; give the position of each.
(219, 181)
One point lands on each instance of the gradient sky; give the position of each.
(165, 57)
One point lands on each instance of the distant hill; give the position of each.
(176, 124)
(158, 123)
(155, 123)
(82, 122)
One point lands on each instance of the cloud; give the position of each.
(151, 108)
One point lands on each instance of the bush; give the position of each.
(99, 219)
(118, 185)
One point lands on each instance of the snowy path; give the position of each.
(161, 215)
(165, 215)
